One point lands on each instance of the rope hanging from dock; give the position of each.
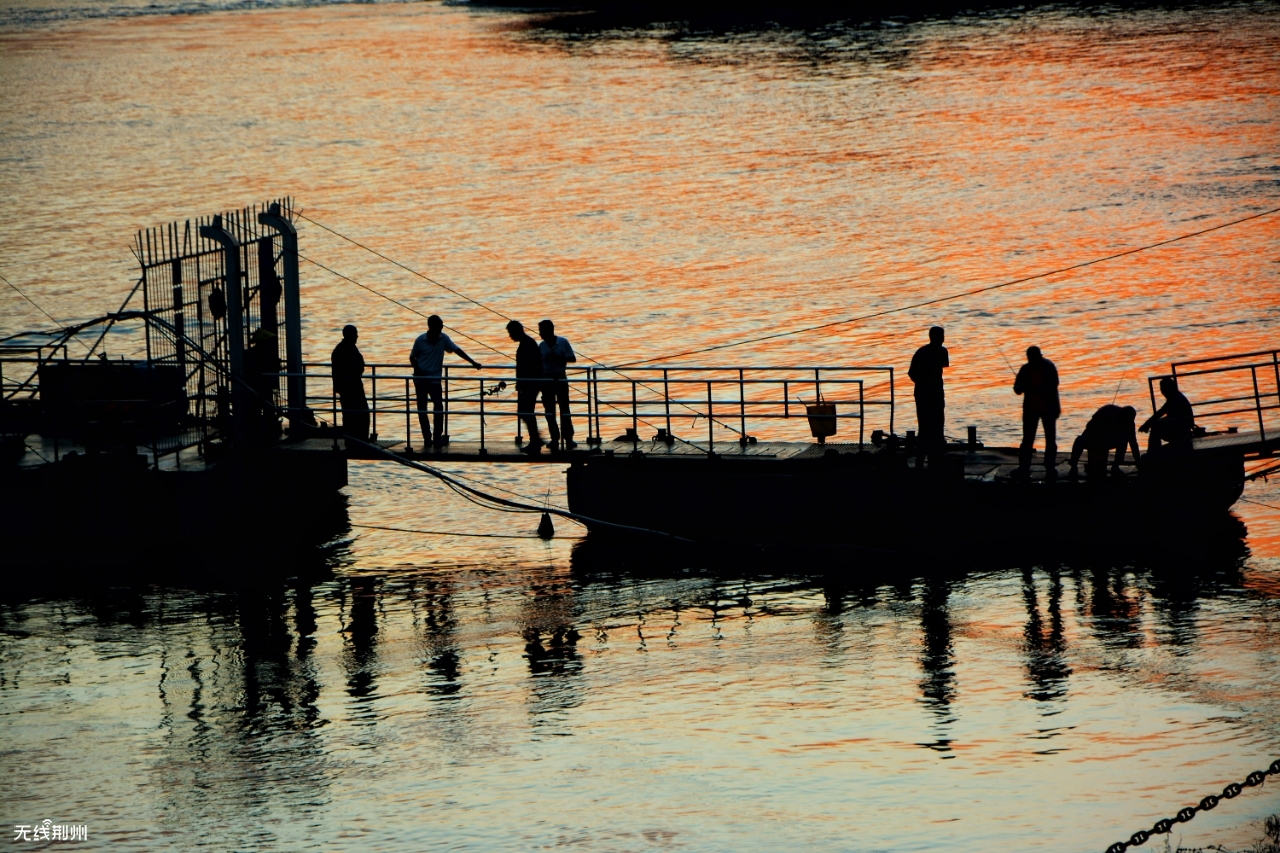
(507, 505)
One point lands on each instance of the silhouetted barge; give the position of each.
(182, 449)
(174, 454)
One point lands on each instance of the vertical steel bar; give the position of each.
(482, 450)
(742, 405)
(1257, 401)
(373, 404)
(635, 419)
(1275, 364)
(408, 427)
(891, 401)
(711, 439)
(786, 399)
(862, 412)
(591, 424)
(595, 387)
(666, 399)
(444, 429)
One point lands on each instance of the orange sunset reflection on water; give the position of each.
(654, 192)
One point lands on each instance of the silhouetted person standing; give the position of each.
(261, 366)
(529, 382)
(348, 368)
(1037, 382)
(427, 358)
(926, 372)
(1174, 422)
(1110, 428)
(556, 353)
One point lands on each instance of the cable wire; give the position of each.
(950, 297)
(42, 311)
(402, 266)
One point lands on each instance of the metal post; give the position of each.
(666, 398)
(590, 422)
(408, 417)
(444, 428)
(482, 450)
(862, 412)
(635, 421)
(786, 399)
(1257, 400)
(297, 386)
(742, 407)
(711, 438)
(234, 323)
(1275, 364)
(373, 404)
(891, 401)
(595, 382)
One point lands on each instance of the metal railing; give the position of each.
(1222, 386)
(746, 402)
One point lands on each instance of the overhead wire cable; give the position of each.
(476, 302)
(55, 320)
(404, 267)
(951, 297)
(397, 301)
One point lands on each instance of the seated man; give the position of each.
(1110, 428)
(1174, 422)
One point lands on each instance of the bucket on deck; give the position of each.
(822, 419)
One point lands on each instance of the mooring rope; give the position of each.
(447, 532)
(1163, 825)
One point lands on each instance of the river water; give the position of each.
(656, 191)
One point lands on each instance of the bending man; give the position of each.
(1110, 428)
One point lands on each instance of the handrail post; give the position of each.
(862, 412)
(711, 439)
(891, 401)
(786, 399)
(1275, 364)
(591, 424)
(595, 381)
(742, 407)
(482, 450)
(1257, 401)
(666, 399)
(408, 415)
(373, 404)
(444, 427)
(635, 418)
